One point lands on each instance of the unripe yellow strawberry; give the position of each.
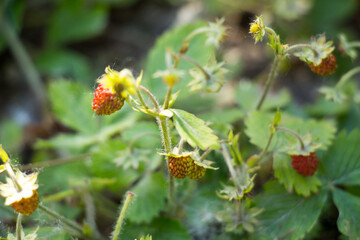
(178, 166)
(195, 171)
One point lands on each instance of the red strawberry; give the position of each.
(106, 102)
(178, 166)
(27, 206)
(305, 165)
(326, 67)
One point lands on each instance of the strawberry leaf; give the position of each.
(150, 195)
(257, 128)
(283, 211)
(349, 213)
(194, 130)
(342, 161)
(287, 176)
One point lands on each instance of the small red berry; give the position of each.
(305, 165)
(106, 102)
(326, 67)
(27, 206)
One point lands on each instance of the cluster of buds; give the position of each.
(184, 165)
(20, 190)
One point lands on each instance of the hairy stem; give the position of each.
(68, 224)
(120, 221)
(12, 175)
(302, 145)
(151, 96)
(167, 99)
(269, 81)
(19, 231)
(347, 76)
(264, 151)
(230, 166)
(301, 46)
(162, 121)
(55, 162)
(354, 44)
(195, 63)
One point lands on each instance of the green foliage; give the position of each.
(10, 135)
(257, 129)
(159, 228)
(349, 213)
(150, 196)
(194, 130)
(76, 21)
(342, 161)
(287, 175)
(173, 39)
(247, 95)
(68, 100)
(59, 63)
(283, 212)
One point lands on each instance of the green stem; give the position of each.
(230, 166)
(347, 76)
(196, 32)
(55, 162)
(12, 175)
(301, 46)
(167, 99)
(302, 145)
(24, 60)
(162, 121)
(203, 156)
(354, 44)
(264, 151)
(269, 81)
(195, 63)
(120, 221)
(138, 93)
(76, 229)
(151, 96)
(272, 31)
(59, 196)
(19, 231)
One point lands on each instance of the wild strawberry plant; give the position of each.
(260, 170)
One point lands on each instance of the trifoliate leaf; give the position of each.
(247, 95)
(349, 213)
(257, 128)
(342, 161)
(283, 212)
(150, 196)
(194, 130)
(288, 176)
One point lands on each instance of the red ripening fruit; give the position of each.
(106, 102)
(326, 67)
(26, 206)
(178, 166)
(305, 165)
